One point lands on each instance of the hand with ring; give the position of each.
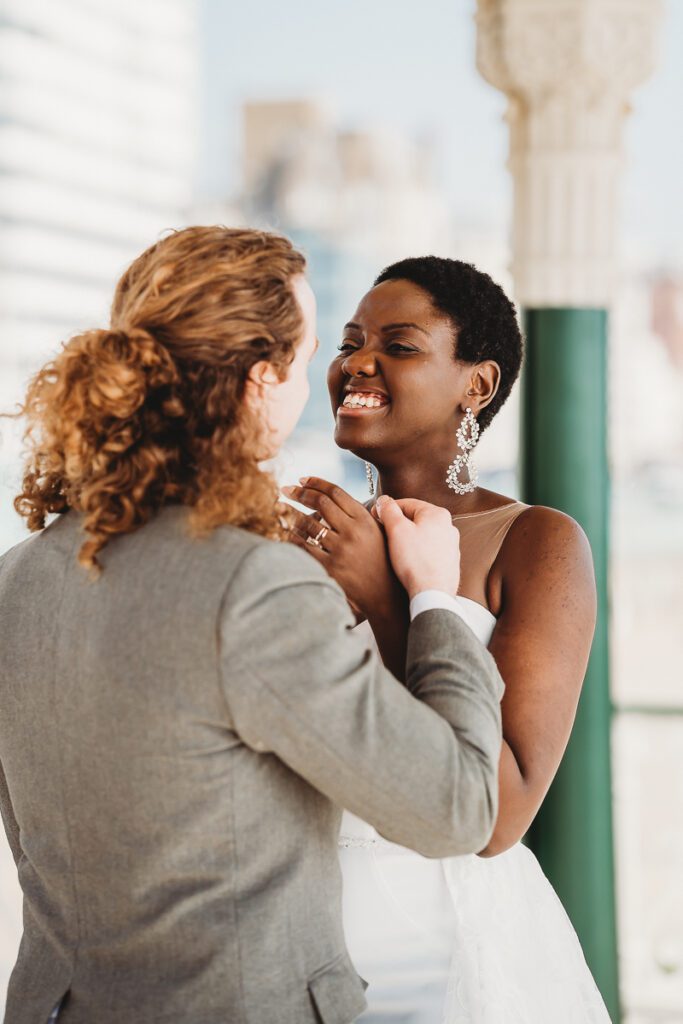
(347, 540)
(317, 541)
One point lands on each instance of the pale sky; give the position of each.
(411, 66)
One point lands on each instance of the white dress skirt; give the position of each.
(465, 940)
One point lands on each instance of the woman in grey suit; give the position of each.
(184, 710)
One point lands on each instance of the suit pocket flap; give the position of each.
(337, 991)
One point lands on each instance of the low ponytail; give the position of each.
(91, 410)
(150, 412)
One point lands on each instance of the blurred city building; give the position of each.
(646, 380)
(97, 149)
(646, 428)
(646, 583)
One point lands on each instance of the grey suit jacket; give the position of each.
(176, 741)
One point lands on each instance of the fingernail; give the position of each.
(287, 490)
(380, 503)
(303, 479)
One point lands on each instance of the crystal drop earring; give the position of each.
(371, 482)
(467, 436)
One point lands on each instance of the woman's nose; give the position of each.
(360, 364)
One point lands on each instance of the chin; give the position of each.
(362, 448)
(352, 436)
(344, 442)
(363, 431)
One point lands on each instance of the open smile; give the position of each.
(361, 402)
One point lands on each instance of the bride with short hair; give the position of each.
(425, 363)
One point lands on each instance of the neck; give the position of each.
(422, 480)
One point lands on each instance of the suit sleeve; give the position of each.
(9, 821)
(419, 762)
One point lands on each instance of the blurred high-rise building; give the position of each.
(372, 189)
(97, 149)
(646, 379)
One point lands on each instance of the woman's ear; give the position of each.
(483, 385)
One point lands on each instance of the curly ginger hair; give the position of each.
(149, 412)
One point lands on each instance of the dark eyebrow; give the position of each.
(395, 327)
(387, 327)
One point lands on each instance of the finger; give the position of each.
(319, 531)
(421, 511)
(310, 527)
(331, 512)
(302, 520)
(388, 511)
(314, 550)
(302, 532)
(338, 495)
(286, 514)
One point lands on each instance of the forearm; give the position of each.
(390, 622)
(473, 711)
(517, 805)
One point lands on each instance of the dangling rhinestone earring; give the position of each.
(371, 482)
(467, 436)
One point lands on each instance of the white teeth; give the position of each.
(354, 400)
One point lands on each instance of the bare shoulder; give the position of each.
(544, 542)
(547, 526)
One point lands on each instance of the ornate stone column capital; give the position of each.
(567, 67)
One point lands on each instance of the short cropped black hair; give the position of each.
(484, 319)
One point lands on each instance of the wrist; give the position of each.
(389, 602)
(420, 586)
(427, 600)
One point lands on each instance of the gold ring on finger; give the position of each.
(319, 537)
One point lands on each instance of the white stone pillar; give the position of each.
(567, 68)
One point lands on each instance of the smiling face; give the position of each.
(395, 386)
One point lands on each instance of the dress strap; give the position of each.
(482, 535)
(504, 527)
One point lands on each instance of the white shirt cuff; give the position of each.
(428, 599)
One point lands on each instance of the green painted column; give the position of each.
(564, 465)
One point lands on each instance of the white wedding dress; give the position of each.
(466, 940)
